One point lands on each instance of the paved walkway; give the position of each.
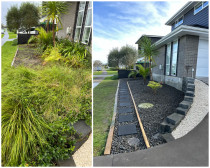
(5, 38)
(190, 150)
(98, 78)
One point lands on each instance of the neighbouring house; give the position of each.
(141, 60)
(184, 51)
(77, 22)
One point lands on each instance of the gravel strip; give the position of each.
(165, 103)
(83, 156)
(197, 112)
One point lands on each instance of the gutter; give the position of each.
(185, 30)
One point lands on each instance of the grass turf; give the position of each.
(103, 103)
(112, 72)
(97, 72)
(12, 35)
(2, 35)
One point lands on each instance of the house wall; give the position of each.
(187, 56)
(201, 18)
(68, 20)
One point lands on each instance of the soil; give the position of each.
(27, 56)
(165, 102)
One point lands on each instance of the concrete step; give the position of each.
(189, 85)
(166, 127)
(167, 136)
(190, 89)
(185, 104)
(189, 93)
(190, 80)
(174, 118)
(181, 111)
(188, 98)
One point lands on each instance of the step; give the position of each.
(190, 80)
(166, 127)
(189, 93)
(185, 104)
(174, 118)
(167, 136)
(189, 85)
(126, 118)
(188, 98)
(190, 89)
(181, 111)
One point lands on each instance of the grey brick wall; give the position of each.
(188, 52)
(68, 20)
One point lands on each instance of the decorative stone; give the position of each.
(133, 142)
(145, 105)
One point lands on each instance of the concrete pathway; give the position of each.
(5, 38)
(190, 150)
(98, 78)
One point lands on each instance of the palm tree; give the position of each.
(149, 51)
(53, 11)
(144, 72)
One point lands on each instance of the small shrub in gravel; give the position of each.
(155, 86)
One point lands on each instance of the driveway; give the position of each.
(5, 38)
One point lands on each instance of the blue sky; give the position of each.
(117, 23)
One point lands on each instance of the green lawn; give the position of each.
(97, 72)
(103, 104)
(112, 72)
(8, 53)
(2, 35)
(12, 35)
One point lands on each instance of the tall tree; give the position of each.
(97, 63)
(13, 18)
(149, 51)
(53, 11)
(128, 55)
(29, 15)
(114, 58)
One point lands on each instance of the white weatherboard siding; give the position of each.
(203, 58)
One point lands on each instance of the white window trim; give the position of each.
(175, 26)
(201, 6)
(81, 22)
(89, 8)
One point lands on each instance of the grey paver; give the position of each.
(125, 110)
(125, 104)
(127, 129)
(126, 118)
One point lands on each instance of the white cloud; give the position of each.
(125, 29)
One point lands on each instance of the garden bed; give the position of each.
(165, 102)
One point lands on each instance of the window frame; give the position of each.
(177, 21)
(171, 57)
(77, 27)
(89, 8)
(202, 7)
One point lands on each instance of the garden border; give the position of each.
(108, 146)
(173, 120)
(14, 57)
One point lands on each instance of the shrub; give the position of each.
(133, 74)
(144, 72)
(154, 85)
(32, 40)
(44, 38)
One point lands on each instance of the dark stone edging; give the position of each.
(173, 120)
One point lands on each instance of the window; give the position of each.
(79, 21)
(171, 58)
(200, 6)
(88, 24)
(168, 58)
(179, 21)
(174, 58)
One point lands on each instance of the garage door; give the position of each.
(203, 59)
